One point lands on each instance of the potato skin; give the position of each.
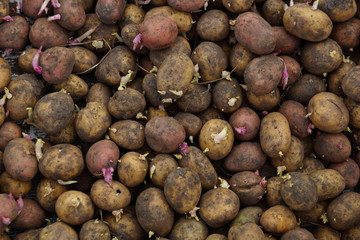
(349, 84)
(295, 113)
(338, 11)
(259, 38)
(14, 34)
(188, 229)
(278, 219)
(9, 209)
(163, 164)
(332, 147)
(185, 5)
(109, 12)
(72, 14)
(15, 187)
(99, 92)
(128, 134)
(349, 169)
(84, 59)
(195, 100)
(153, 212)
(245, 117)
(239, 58)
(132, 169)
(245, 231)
(213, 25)
(95, 229)
(329, 183)
(319, 24)
(47, 192)
(74, 85)
(5, 74)
(227, 95)
(31, 216)
(58, 231)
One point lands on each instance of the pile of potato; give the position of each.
(180, 119)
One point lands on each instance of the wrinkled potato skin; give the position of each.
(84, 59)
(5, 73)
(318, 24)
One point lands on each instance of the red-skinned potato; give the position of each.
(285, 42)
(31, 8)
(8, 211)
(72, 14)
(31, 216)
(14, 34)
(349, 170)
(186, 6)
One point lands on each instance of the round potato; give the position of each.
(349, 84)
(47, 192)
(196, 99)
(239, 58)
(227, 95)
(278, 219)
(84, 59)
(188, 229)
(329, 183)
(160, 167)
(128, 134)
(95, 229)
(213, 25)
(99, 92)
(132, 169)
(338, 11)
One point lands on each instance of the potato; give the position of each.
(186, 6)
(227, 95)
(59, 231)
(95, 229)
(112, 197)
(174, 76)
(185, 228)
(62, 162)
(328, 55)
(14, 34)
(313, 216)
(8, 131)
(338, 11)
(216, 139)
(245, 231)
(74, 85)
(15, 187)
(264, 81)
(196, 160)
(325, 233)
(346, 34)
(4, 8)
(266, 102)
(239, 58)
(329, 183)
(74, 207)
(132, 169)
(84, 59)
(109, 12)
(127, 227)
(273, 11)
(285, 42)
(216, 236)
(47, 34)
(328, 112)
(349, 170)
(227, 203)
(293, 69)
(47, 192)
(196, 99)
(250, 214)
(191, 123)
(5, 74)
(153, 212)
(275, 135)
(155, 112)
(292, 160)
(92, 122)
(210, 113)
(213, 25)
(8, 211)
(319, 25)
(311, 165)
(72, 14)
(132, 14)
(128, 134)
(273, 196)
(66, 135)
(31, 216)
(150, 90)
(182, 19)
(164, 134)
(349, 84)
(299, 233)
(352, 233)
(245, 123)
(32, 234)
(354, 109)
(160, 167)
(260, 38)
(246, 156)
(211, 60)
(332, 147)
(31, 8)
(343, 212)
(102, 154)
(99, 92)
(121, 107)
(278, 219)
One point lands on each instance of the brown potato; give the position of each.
(58, 231)
(186, 6)
(84, 59)
(293, 69)
(153, 212)
(338, 11)
(328, 112)
(299, 233)
(99, 92)
(349, 170)
(354, 111)
(273, 11)
(109, 12)
(150, 90)
(74, 85)
(31, 216)
(250, 214)
(273, 196)
(213, 25)
(9, 210)
(225, 201)
(128, 34)
(132, 14)
(196, 99)
(216, 139)
(329, 183)
(8, 131)
(47, 192)
(332, 147)
(14, 34)
(311, 165)
(313, 216)
(245, 231)
(15, 187)
(32, 234)
(266, 102)
(185, 228)
(128, 134)
(25, 60)
(227, 95)
(319, 25)
(66, 135)
(239, 58)
(160, 167)
(95, 229)
(72, 14)
(190, 122)
(347, 33)
(352, 233)
(278, 219)
(132, 169)
(326, 233)
(349, 84)
(216, 236)
(5, 74)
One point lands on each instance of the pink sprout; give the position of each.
(340, 146)
(277, 53)
(264, 113)
(7, 52)
(10, 196)
(43, 6)
(108, 173)
(7, 18)
(184, 149)
(310, 128)
(5, 220)
(259, 197)
(263, 182)
(27, 136)
(285, 77)
(55, 3)
(241, 130)
(35, 61)
(20, 202)
(55, 17)
(138, 40)
(257, 173)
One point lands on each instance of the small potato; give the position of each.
(278, 219)
(74, 85)
(329, 183)
(62, 162)
(213, 25)
(153, 212)
(126, 103)
(227, 95)
(31, 216)
(14, 34)
(328, 55)
(92, 122)
(332, 147)
(250, 214)
(349, 170)
(326, 233)
(19, 159)
(259, 38)
(216, 139)
(264, 81)
(239, 58)
(273, 11)
(58, 231)
(132, 169)
(196, 160)
(99, 92)
(190, 122)
(343, 212)
(211, 60)
(109, 12)
(74, 207)
(128, 134)
(164, 134)
(8, 131)
(9, 210)
(160, 167)
(5, 74)
(319, 24)
(245, 123)
(25, 60)
(285, 42)
(196, 99)
(245, 231)
(47, 192)
(182, 190)
(349, 83)
(266, 102)
(112, 197)
(84, 59)
(275, 135)
(328, 112)
(15, 187)
(225, 201)
(273, 196)
(188, 229)
(95, 229)
(347, 33)
(132, 14)
(72, 14)
(338, 11)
